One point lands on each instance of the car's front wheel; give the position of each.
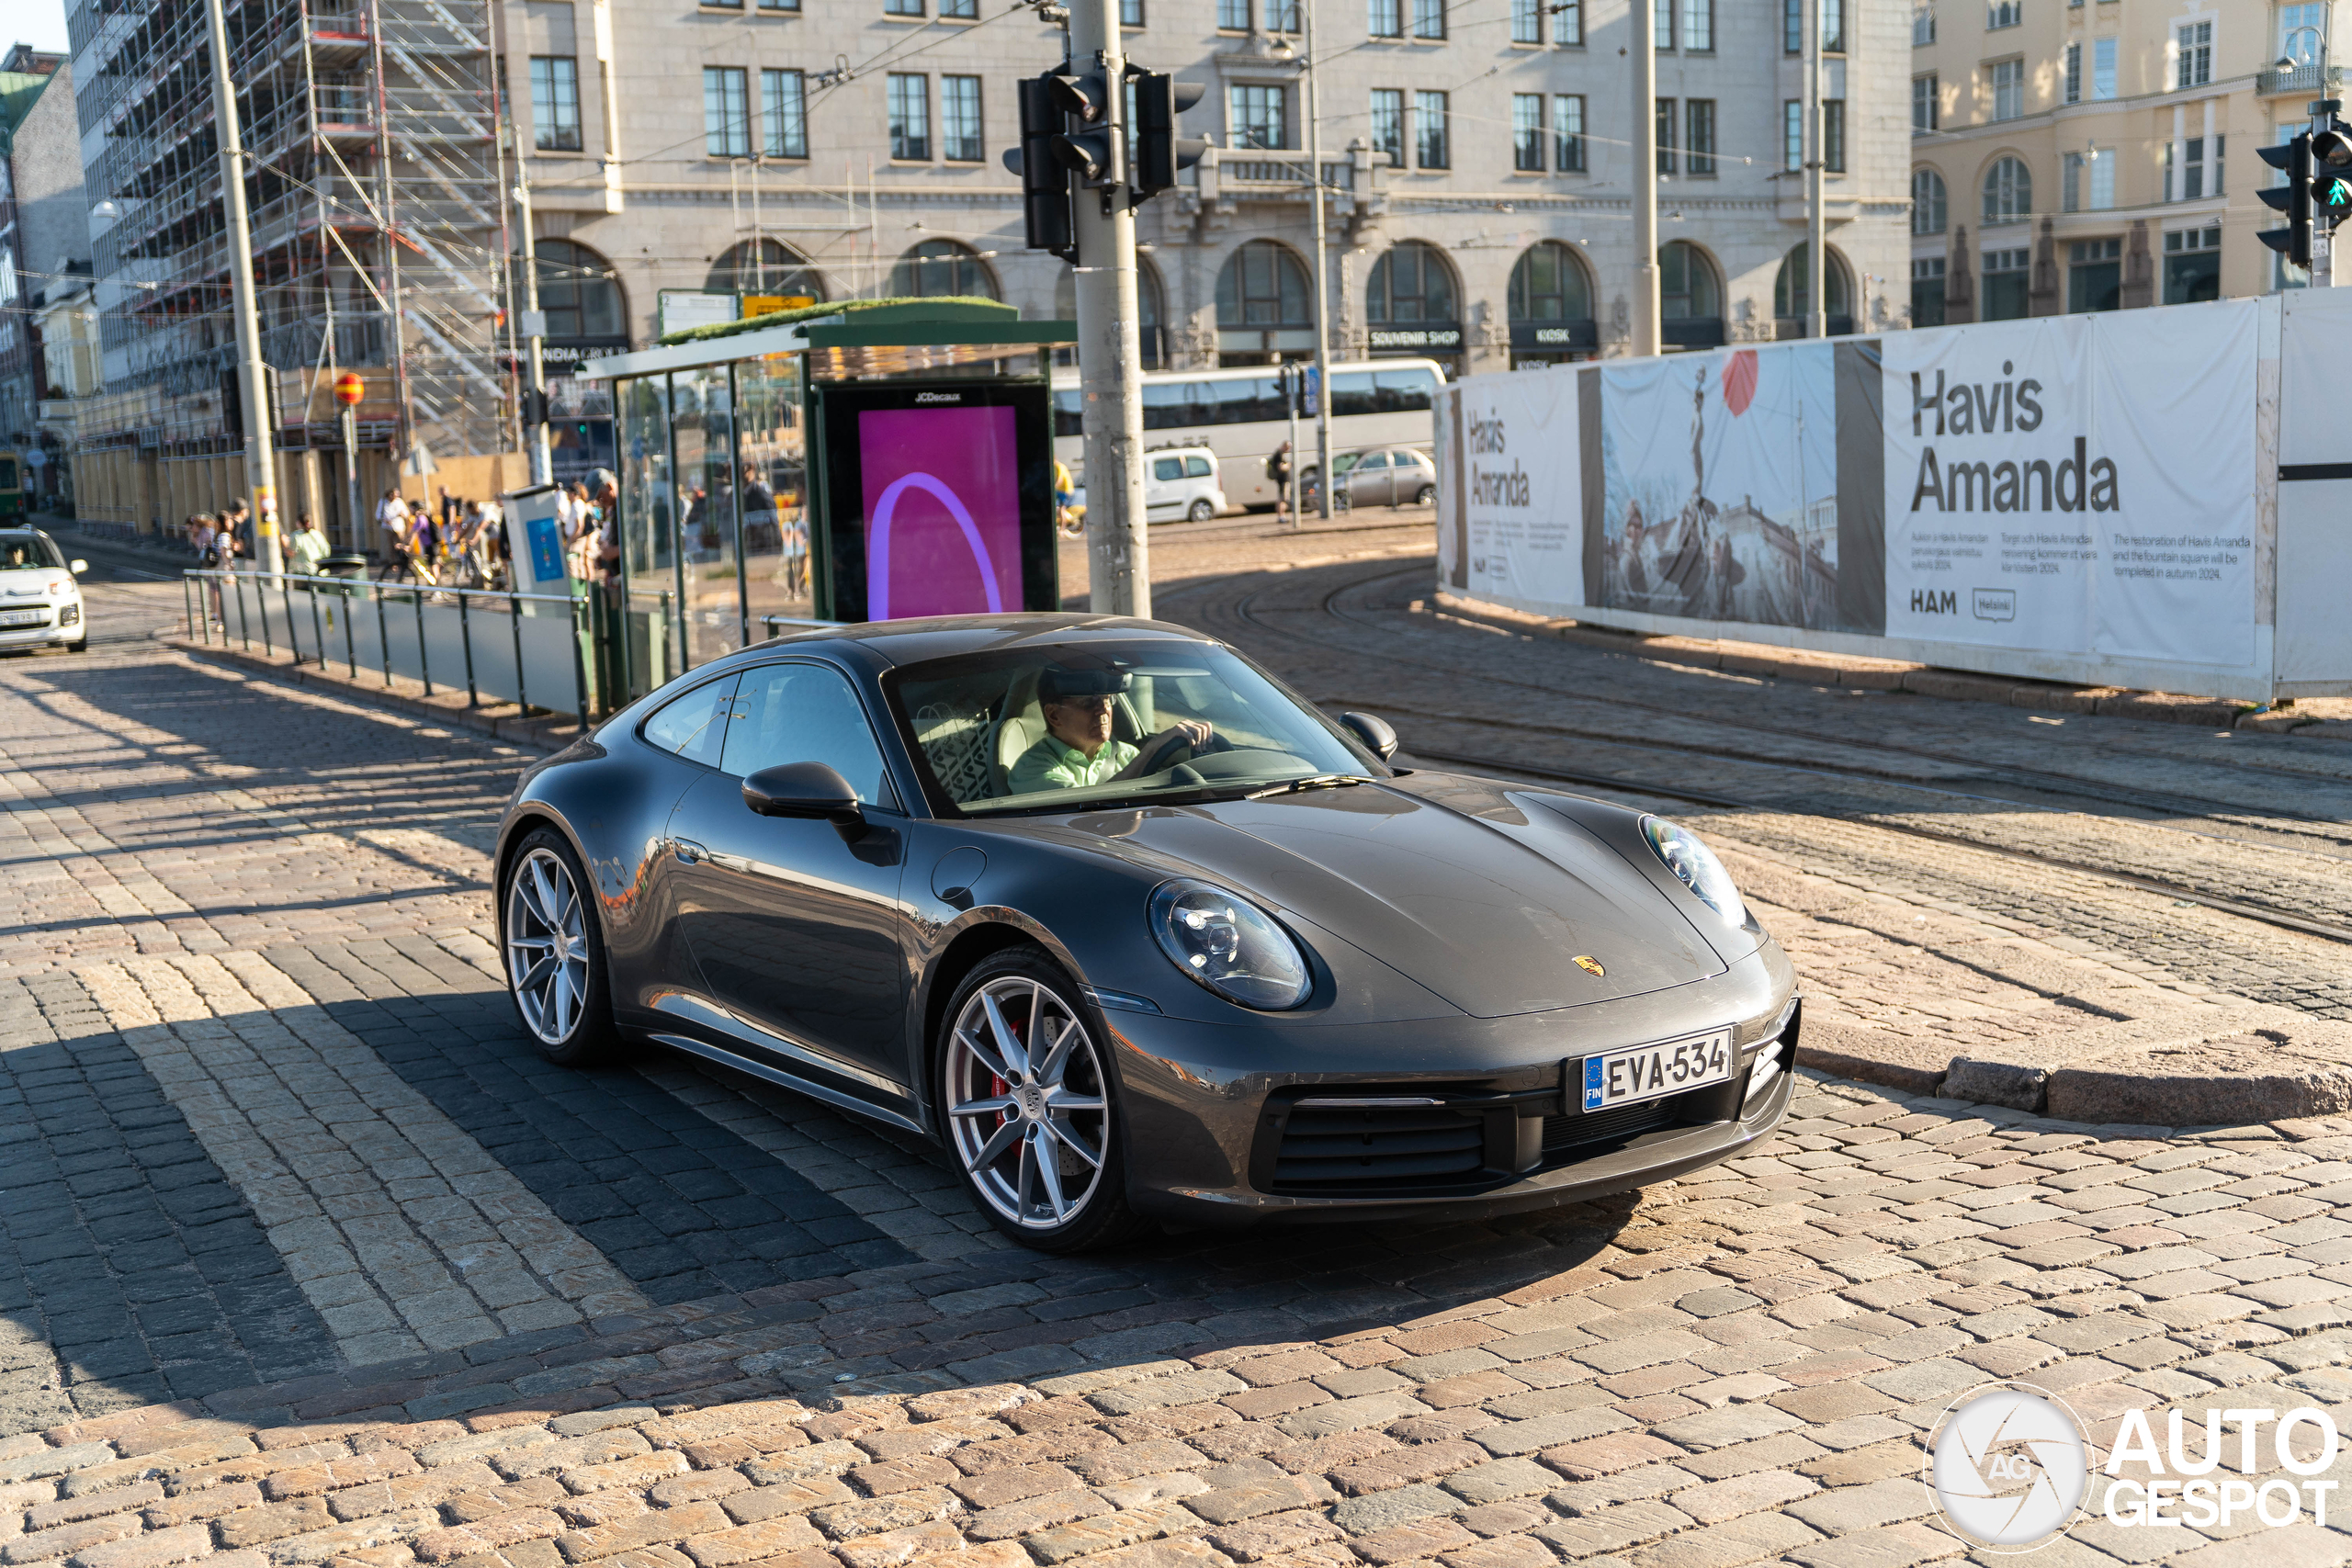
(555, 951)
(1031, 1107)
(1200, 510)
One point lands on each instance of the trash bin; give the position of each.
(351, 566)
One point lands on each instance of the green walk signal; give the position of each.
(2331, 196)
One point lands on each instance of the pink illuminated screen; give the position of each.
(943, 511)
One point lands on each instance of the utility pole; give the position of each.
(1817, 231)
(1645, 301)
(1322, 283)
(1110, 346)
(535, 326)
(253, 377)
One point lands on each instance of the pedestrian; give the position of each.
(199, 535)
(1278, 471)
(308, 548)
(393, 513)
(1065, 494)
(238, 521)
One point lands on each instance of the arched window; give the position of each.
(1929, 208)
(1263, 285)
(942, 266)
(1149, 318)
(1550, 285)
(2009, 191)
(1411, 283)
(1686, 284)
(764, 267)
(1789, 295)
(578, 292)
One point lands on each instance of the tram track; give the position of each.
(2222, 832)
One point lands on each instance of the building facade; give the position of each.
(2099, 154)
(1479, 155)
(44, 240)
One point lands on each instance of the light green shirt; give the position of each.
(1052, 765)
(310, 548)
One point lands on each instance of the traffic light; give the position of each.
(1044, 183)
(2293, 198)
(2332, 173)
(535, 407)
(1091, 151)
(1159, 152)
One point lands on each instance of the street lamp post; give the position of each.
(535, 326)
(253, 389)
(1642, 47)
(1322, 286)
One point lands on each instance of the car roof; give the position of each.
(949, 636)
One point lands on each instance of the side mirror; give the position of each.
(809, 790)
(79, 566)
(1373, 731)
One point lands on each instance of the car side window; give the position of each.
(1168, 468)
(805, 713)
(692, 725)
(1377, 460)
(1196, 468)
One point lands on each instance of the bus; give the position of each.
(12, 484)
(1239, 415)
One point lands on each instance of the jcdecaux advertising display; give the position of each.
(2079, 498)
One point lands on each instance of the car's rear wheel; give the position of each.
(1200, 510)
(555, 953)
(1031, 1108)
(1424, 495)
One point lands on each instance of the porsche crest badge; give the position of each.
(1589, 964)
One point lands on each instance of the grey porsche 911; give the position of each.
(1137, 934)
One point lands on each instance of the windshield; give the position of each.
(21, 552)
(1092, 724)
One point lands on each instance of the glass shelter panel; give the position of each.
(773, 450)
(702, 432)
(649, 531)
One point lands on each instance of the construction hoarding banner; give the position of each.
(2073, 498)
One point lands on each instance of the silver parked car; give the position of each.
(1376, 475)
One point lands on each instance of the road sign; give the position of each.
(350, 388)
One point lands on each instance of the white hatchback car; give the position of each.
(1178, 481)
(39, 602)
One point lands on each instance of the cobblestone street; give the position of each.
(306, 1256)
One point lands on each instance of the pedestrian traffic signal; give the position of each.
(535, 407)
(1159, 152)
(1091, 148)
(2293, 198)
(1044, 182)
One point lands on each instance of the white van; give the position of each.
(1178, 482)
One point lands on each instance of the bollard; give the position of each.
(350, 652)
(522, 695)
(383, 632)
(286, 594)
(318, 631)
(245, 632)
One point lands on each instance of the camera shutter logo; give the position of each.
(2009, 1466)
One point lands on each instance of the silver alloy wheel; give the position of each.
(546, 946)
(1025, 1102)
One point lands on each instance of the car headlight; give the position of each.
(1689, 858)
(1230, 945)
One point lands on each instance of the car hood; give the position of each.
(1486, 903)
(30, 581)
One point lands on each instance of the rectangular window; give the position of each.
(1567, 22)
(1388, 126)
(1792, 132)
(2102, 192)
(902, 7)
(1233, 16)
(2200, 174)
(1527, 22)
(1699, 26)
(2070, 183)
(2007, 274)
(2003, 14)
(1792, 27)
(1927, 291)
(2074, 73)
(783, 103)
(2192, 266)
(793, 6)
(555, 103)
(909, 98)
(1699, 136)
(1666, 140)
(1428, 18)
(2094, 275)
(1281, 15)
(1257, 114)
(1527, 132)
(1923, 26)
(1922, 105)
(2008, 89)
(2103, 68)
(959, 118)
(2195, 44)
(2301, 29)
(1567, 133)
(1130, 13)
(726, 112)
(1662, 24)
(1832, 135)
(960, 10)
(1433, 146)
(1833, 26)
(1387, 19)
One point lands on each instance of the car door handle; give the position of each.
(689, 850)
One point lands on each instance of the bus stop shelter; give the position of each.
(846, 461)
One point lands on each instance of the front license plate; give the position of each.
(1646, 1072)
(23, 617)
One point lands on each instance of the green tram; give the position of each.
(12, 484)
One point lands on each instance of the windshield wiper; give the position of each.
(1320, 780)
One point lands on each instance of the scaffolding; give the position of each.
(376, 180)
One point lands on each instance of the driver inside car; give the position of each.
(1078, 748)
